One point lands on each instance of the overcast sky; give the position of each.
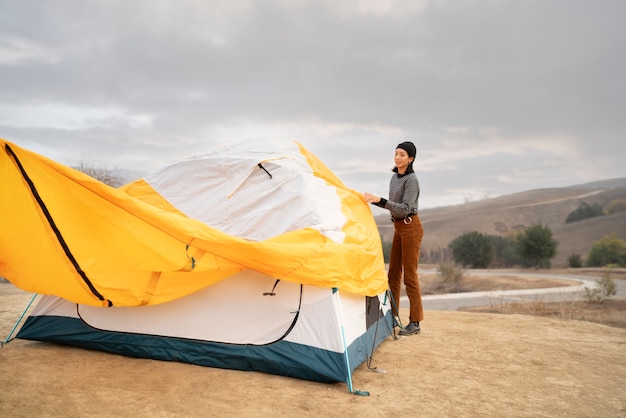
(498, 96)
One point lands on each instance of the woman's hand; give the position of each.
(371, 198)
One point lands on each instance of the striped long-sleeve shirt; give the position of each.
(404, 192)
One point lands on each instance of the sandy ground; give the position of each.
(463, 364)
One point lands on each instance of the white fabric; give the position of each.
(227, 190)
(212, 314)
(232, 311)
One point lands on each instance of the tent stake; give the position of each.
(19, 320)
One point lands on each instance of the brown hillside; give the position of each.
(578, 237)
(508, 214)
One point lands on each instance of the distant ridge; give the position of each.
(607, 184)
(510, 213)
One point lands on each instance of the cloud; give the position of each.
(498, 96)
(16, 50)
(65, 116)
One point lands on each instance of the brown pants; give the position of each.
(405, 253)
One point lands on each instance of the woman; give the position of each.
(408, 232)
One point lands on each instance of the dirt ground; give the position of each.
(463, 364)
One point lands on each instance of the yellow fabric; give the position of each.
(131, 247)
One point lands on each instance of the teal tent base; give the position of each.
(281, 357)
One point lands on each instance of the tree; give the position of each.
(473, 249)
(100, 174)
(584, 211)
(536, 246)
(505, 251)
(575, 261)
(618, 205)
(609, 250)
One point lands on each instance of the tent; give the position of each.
(251, 256)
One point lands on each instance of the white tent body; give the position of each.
(243, 322)
(248, 321)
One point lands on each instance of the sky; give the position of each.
(499, 96)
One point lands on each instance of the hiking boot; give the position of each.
(412, 328)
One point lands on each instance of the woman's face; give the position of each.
(402, 160)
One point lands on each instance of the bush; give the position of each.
(584, 211)
(575, 261)
(605, 290)
(505, 251)
(608, 250)
(536, 246)
(100, 174)
(435, 255)
(615, 206)
(451, 275)
(473, 249)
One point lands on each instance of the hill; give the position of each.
(513, 213)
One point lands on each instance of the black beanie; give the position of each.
(408, 147)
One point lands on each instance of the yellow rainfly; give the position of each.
(67, 234)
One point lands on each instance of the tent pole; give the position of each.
(8, 339)
(392, 304)
(345, 350)
(371, 355)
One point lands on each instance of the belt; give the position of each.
(407, 220)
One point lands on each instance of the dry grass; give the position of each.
(610, 312)
(433, 284)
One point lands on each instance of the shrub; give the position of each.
(100, 174)
(615, 206)
(473, 249)
(575, 261)
(584, 211)
(536, 246)
(451, 275)
(505, 251)
(435, 255)
(605, 290)
(608, 250)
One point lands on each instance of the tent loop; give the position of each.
(271, 293)
(193, 260)
(264, 169)
(260, 164)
